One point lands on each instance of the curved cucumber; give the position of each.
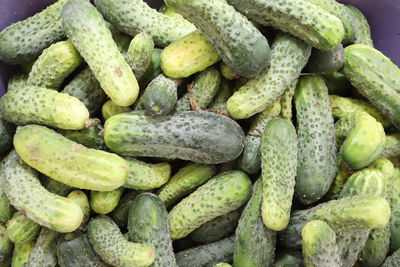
(90, 137)
(16, 81)
(324, 62)
(105, 202)
(139, 54)
(20, 229)
(286, 101)
(121, 212)
(110, 109)
(38, 145)
(224, 93)
(80, 199)
(21, 253)
(6, 247)
(44, 252)
(362, 31)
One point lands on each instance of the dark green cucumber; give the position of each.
(54, 186)
(362, 31)
(6, 209)
(21, 253)
(121, 212)
(32, 104)
(247, 53)
(16, 81)
(220, 195)
(25, 40)
(105, 202)
(317, 165)
(324, 62)
(44, 252)
(110, 109)
(63, 160)
(289, 259)
(6, 247)
(20, 229)
(223, 94)
(188, 55)
(394, 186)
(88, 31)
(342, 175)
(91, 137)
(287, 100)
(254, 242)
(393, 260)
(7, 131)
(109, 243)
(250, 159)
(148, 224)
(392, 146)
(337, 84)
(153, 70)
(139, 54)
(190, 135)
(227, 72)
(289, 55)
(54, 65)
(207, 255)
(80, 199)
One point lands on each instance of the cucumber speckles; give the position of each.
(139, 54)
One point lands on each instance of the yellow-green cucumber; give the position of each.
(21, 253)
(16, 81)
(139, 54)
(287, 101)
(20, 229)
(392, 146)
(6, 248)
(105, 202)
(80, 199)
(110, 109)
(6, 209)
(44, 252)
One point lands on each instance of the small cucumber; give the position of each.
(287, 100)
(6, 247)
(224, 93)
(16, 81)
(105, 202)
(90, 137)
(393, 260)
(110, 109)
(153, 70)
(33, 104)
(44, 252)
(54, 65)
(80, 199)
(87, 30)
(227, 72)
(220, 195)
(365, 182)
(148, 224)
(20, 229)
(109, 243)
(342, 176)
(188, 55)
(38, 145)
(337, 84)
(121, 212)
(362, 31)
(394, 186)
(6, 210)
(21, 253)
(324, 62)
(392, 146)
(54, 186)
(139, 54)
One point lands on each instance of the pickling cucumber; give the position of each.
(227, 72)
(20, 229)
(110, 109)
(392, 146)
(289, 259)
(6, 209)
(337, 84)
(224, 93)
(80, 199)
(393, 260)
(287, 101)
(6, 247)
(121, 212)
(362, 31)
(342, 175)
(105, 202)
(90, 137)
(54, 186)
(153, 70)
(16, 81)
(21, 253)
(44, 252)
(139, 54)
(324, 62)
(394, 186)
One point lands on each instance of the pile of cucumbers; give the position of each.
(255, 133)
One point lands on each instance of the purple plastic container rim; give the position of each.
(383, 16)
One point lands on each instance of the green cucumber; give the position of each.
(250, 159)
(376, 77)
(207, 255)
(88, 31)
(394, 186)
(169, 12)
(278, 172)
(6, 247)
(105, 202)
(317, 166)
(287, 100)
(342, 129)
(186, 180)
(319, 245)
(153, 70)
(362, 31)
(220, 195)
(16, 81)
(110, 109)
(392, 146)
(54, 65)
(32, 104)
(23, 41)
(148, 224)
(6, 135)
(289, 55)
(302, 19)
(121, 212)
(20, 229)
(121, 39)
(139, 54)
(393, 260)
(190, 135)
(289, 259)
(227, 72)
(21, 253)
(38, 145)
(44, 252)
(223, 94)
(6, 209)
(222, 265)
(54, 186)
(365, 182)
(90, 137)
(247, 53)
(188, 55)
(337, 84)
(324, 62)
(109, 243)
(254, 242)
(342, 176)
(80, 199)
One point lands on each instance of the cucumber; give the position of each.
(250, 159)
(110, 109)
(139, 54)
(169, 12)
(16, 81)
(362, 31)
(21, 253)
(186, 180)
(254, 242)
(342, 176)
(337, 84)
(32, 104)
(207, 255)
(218, 228)
(378, 81)
(121, 39)
(289, 259)
(54, 65)
(317, 165)
(286, 101)
(279, 166)
(190, 135)
(220, 195)
(223, 94)
(54, 186)
(222, 265)
(319, 245)
(83, 23)
(394, 186)
(90, 137)
(6, 247)
(37, 146)
(206, 86)
(44, 252)
(105, 202)
(393, 260)
(289, 55)
(324, 62)
(365, 182)
(6, 135)
(21, 230)
(87, 89)
(386, 167)
(188, 55)
(227, 72)
(109, 243)
(153, 70)
(23, 41)
(247, 53)
(302, 19)
(148, 224)
(80, 199)
(392, 146)
(121, 212)
(6, 209)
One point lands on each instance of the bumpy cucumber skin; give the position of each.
(16, 81)
(220, 195)
(33, 104)
(254, 242)
(250, 159)
(289, 55)
(188, 55)
(6, 210)
(121, 212)
(139, 54)
(302, 19)
(279, 166)
(6, 247)
(80, 20)
(38, 145)
(153, 70)
(247, 53)
(362, 31)
(105, 202)
(324, 62)
(207, 255)
(136, 134)
(90, 137)
(394, 185)
(342, 176)
(365, 182)
(317, 165)
(44, 252)
(54, 186)
(25, 40)
(6, 136)
(392, 146)
(110, 109)
(393, 260)
(376, 77)
(286, 101)
(148, 224)
(224, 93)
(21, 253)
(54, 65)
(80, 199)
(20, 229)
(109, 243)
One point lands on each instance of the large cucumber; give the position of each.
(21, 253)
(105, 202)
(6, 247)
(121, 212)
(91, 137)
(88, 31)
(63, 160)
(139, 54)
(362, 31)
(20, 229)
